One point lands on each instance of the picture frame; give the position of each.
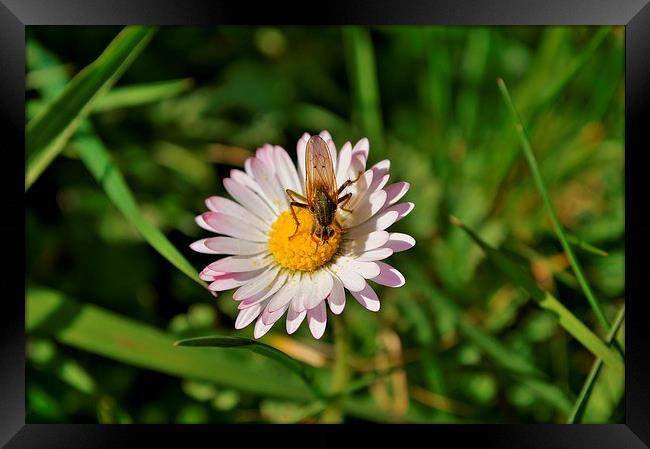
(634, 14)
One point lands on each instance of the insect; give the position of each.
(322, 197)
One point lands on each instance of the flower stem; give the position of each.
(341, 375)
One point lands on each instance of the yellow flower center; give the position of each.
(301, 252)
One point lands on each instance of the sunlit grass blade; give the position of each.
(255, 346)
(539, 181)
(587, 388)
(545, 300)
(91, 328)
(47, 133)
(362, 72)
(95, 156)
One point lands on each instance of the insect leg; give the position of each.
(295, 196)
(313, 231)
(291, 206)
(344, 200)
(349, 182)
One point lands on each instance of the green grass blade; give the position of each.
(362, 72)
(585, 246)
(545, 300)
(140, 94)
(219, 341)
(587, 388)
(128, 96)
(539, 181)
(95, 156)
(48, 132)
(91, 328)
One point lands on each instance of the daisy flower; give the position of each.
(277, 269)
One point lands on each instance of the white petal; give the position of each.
(382, 220)
(325, 135)
(343, 163)
(199, 247)
(285, 170)
(367, 298)
(306, 290)
(366, 269)
(361, 148)
(352, 280)
(260, 328)
(209, 275)
(322, 287)
(229, 245)
(270, 185)
(336, 299)
(284, 296)
(250, 200)
(265, 293)
(233, 227)
(269, 317)
(241, 263)
(395, 192)
(246, 316)
(388, 276)
(317, 319)
(294, 320)
(228, 281)
(373, 204)
(257, 284)
(301, 149)
(376, 254)
(370, 241)
(358, 190)
(250, 182)
(399, 242)
(229, 207)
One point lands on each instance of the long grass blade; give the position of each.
(362, 72)
(539, 181)
(587, 388)
(547, 301)
(95, 156)
(47, 133)
(220, 341)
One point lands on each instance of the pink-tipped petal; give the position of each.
(399, 242)
(284, 296)
(336, 299)
(317, 319)
(301, 149)
(233, 246)
(268, 317)
(260, 328)
(241, 263)
(294, 320)
(395, 192)
(367, 298)
(246, 316)
(257, 284)
(229, 207)
(361, 148)
(200, 247)
(389, 276)
(233, 227)
(227, 281)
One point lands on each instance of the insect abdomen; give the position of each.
(324, 209)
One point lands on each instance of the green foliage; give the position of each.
(132, 129)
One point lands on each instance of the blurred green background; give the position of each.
(196, 101)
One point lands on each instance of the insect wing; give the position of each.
(320, 170)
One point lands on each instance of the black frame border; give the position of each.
(634, 14)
